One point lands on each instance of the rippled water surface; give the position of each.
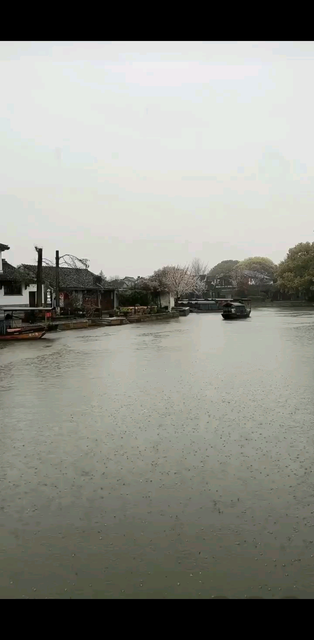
(170, 460)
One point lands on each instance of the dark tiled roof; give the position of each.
(4, 247)
(117, 284)
(69, 278)
(9, 272)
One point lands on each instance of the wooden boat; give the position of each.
(213, 305)
(235, 310)
(24, 333)
(11, 327)
(204, 306)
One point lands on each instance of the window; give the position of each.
(12, 289)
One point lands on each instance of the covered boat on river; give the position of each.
(236, 310)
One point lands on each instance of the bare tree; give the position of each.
(68, 260)
(198, 268)
(199, 286)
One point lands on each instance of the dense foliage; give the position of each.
(223, 269)
(258, 266)
(133, 297)
(296, 272)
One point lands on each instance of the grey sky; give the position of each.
(140, 154)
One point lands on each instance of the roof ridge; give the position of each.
(70, 277)
(53, 266)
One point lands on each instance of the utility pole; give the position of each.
(39, 277)
(57, 283)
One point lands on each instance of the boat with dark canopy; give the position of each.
(236, 310)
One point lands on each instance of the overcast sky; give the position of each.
(141, 154)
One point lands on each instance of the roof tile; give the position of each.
(69, 277)
(9, 272)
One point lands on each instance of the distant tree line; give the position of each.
(256, 276)
(296, 272)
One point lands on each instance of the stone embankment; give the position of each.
(66, 325)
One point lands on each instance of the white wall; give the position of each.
(18, 301)
(167, 300)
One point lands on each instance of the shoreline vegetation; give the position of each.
(257, 278)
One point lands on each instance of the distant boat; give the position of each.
(235, 310)
(204, 306)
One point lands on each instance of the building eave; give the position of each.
(95, 289)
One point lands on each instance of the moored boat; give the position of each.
(24, 333)
(204, 306)
(13, 328)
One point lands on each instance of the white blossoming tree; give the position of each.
(177, 280)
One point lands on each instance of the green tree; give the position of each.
(260, 267)
(296, 272)
(223, 269)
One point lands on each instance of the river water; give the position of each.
(164, 460)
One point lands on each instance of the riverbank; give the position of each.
(67, 325)
(281, 303)
(153, 317)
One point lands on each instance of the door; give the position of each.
(32, 298)
(107, 300)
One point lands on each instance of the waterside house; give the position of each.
(255, 278)
(227, 286)
(77, 287)
(16, 289)
(130, 285)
